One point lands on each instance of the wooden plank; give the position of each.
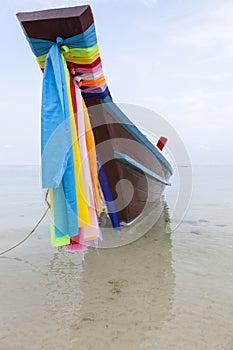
(49, 24)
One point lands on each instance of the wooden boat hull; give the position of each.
(132, 189)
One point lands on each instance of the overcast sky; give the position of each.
(174, 57)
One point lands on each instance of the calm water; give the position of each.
(164, 291)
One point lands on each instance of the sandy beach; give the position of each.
(166, 290)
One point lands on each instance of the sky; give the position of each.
(173, 57)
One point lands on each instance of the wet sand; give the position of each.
(150, 294)
(164, 291)
(114, 299)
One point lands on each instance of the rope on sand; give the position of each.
(33, 230)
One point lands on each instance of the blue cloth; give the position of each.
(98, 96)
(84, 40)
(56, 143)
(55, 121)
(107, 195)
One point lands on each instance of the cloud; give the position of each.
(44, 4)
(150, 2)
(204, 148)
(197, 98)
(208, 29)
(7, 146)
(205, 36)
(203, 76)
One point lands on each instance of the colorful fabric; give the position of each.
(72, 71)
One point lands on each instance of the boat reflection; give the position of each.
(127, 291)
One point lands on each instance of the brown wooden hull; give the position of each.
(139, 190)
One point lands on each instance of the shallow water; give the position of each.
(164, 291)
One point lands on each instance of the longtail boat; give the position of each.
(65, 45)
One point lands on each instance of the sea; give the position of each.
(170, 289)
